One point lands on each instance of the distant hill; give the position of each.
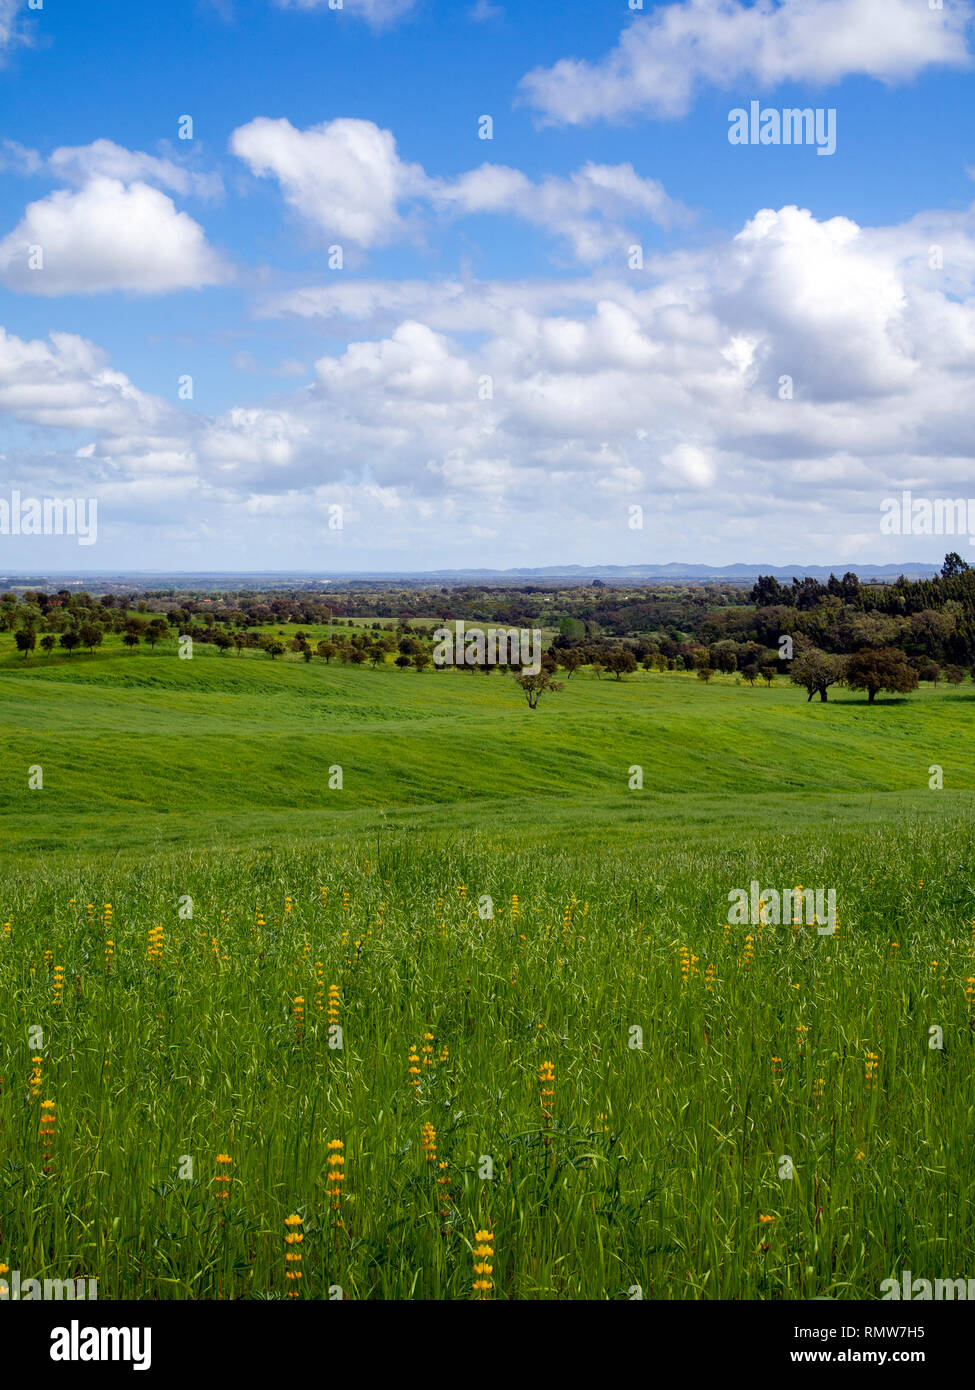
(690, 571)
(684, 572)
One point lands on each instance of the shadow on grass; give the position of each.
(955, 697)
(851, 702)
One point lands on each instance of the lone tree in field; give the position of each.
(621, 662)
(26, 640)
(571, 661)
(91, 635)
(535, 686)
(816, 671)
(704, 673)
(880, 668)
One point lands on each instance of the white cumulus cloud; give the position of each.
(588, 209)
(107, 236)
(347, 179)
(79, 164)
(560, 403)
(664, 57)
(345, 176)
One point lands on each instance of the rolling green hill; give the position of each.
(529, 964)
(145, 749)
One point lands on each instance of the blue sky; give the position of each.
(488, 379)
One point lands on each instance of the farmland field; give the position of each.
(624, 1089)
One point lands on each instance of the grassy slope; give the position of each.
(661, 1161)
(144, 748)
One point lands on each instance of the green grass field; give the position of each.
(144, 751)
(174, 787)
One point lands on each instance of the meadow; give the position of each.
(589, 1087)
